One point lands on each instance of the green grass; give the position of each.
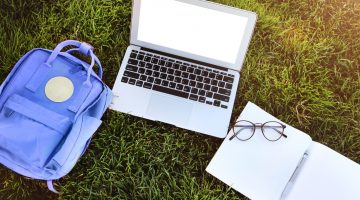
(303, 66)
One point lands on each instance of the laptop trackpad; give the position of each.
(169, 110)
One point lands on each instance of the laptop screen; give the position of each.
(193, 29)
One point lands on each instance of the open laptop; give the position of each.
(183, 64)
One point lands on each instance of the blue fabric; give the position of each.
(42, 139)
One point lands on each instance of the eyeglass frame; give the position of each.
(259, 125)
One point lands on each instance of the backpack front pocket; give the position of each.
(29, 133)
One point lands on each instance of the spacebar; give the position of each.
(170, 91)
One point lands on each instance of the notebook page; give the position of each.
(326, 174)
(258, 168)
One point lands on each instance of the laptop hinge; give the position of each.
(185, 59)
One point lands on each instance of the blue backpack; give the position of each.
(50, 106)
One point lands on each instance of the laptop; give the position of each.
(183, 63)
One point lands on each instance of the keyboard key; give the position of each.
(165, 83)
(148, 72)
(132, 81)
(179, 87)
(168, 64)
(177, 79)
(133, 55)
(149, 66)
(170, 71)
(157, 81)
(202, 92)
(143, 77)
(134, 51)
(163, 69)
(185, 81)
(221, 84)
(147, 85)
(228, 86)
(209, 94)
(221, 97)
(214, 89)
(141, 64)
(219, 77)
(206, 80)
(170, 78)
(217, 103)
(187, 89)
(185, 75)
(212, 75)
(183, 68)
(141, 71)
(140, 57)
(192, 77)
(214, 82)
(131, 74)
(192, 83)
(150, 79)
(131, 68)
(199, 85)
(204, 73)
(156, 74)
(224, 106)
(224, 92)
(193, 97)
(194, 90)
(207, 87)
(199, 78)
(176, 66)
(209, 102)
(177, 73)
(147, 58)
(190, 69)
(139, 83)
(156, 67)
(162, 62)
(133, 62)
(171, 91)
(163, 76)
(228, 79)
(197, 71)
(172, 84)
(154, 61)
(124, 79)
(202, 99)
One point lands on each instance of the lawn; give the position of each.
(303, 66)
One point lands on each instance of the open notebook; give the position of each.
(290, 168)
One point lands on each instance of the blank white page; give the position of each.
(258, 168)
(328, 175)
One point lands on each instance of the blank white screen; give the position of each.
(191, 29)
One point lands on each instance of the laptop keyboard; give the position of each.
(179, 78)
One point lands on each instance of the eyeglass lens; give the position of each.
(272, 130)
(244, 130)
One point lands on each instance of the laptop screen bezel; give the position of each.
(251, 16)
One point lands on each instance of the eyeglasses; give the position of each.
(272, 130)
